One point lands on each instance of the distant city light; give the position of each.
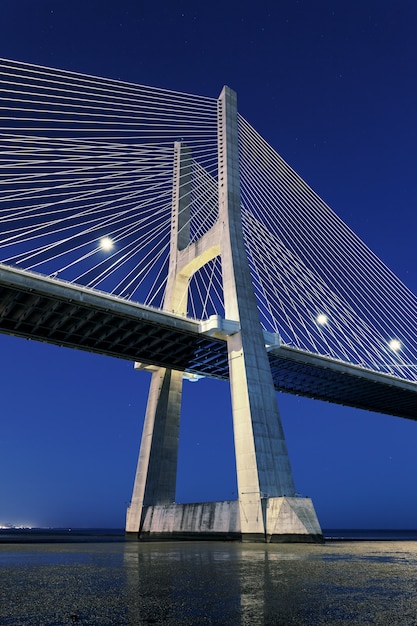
(15, 527)
(106, 243)
(322, 319)
(395, 345)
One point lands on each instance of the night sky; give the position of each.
(332, 86)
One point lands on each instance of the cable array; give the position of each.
(86, 195)
(316, 282)
(86, 176)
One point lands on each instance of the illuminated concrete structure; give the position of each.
(88, 271)
(267, 508)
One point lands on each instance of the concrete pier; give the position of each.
(288, 520)
(267, 508)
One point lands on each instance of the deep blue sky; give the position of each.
(332, 86)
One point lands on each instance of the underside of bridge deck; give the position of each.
(52, 311)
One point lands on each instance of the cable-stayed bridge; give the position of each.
(161, 227)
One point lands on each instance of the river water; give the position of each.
(125, 583)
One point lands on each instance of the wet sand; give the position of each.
(340, 583)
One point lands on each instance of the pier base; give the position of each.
(292, 520)
(287, 520)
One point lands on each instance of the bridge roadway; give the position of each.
(54, 311)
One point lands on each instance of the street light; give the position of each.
(106, 244)
(322, 319)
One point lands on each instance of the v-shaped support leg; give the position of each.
(155, 480)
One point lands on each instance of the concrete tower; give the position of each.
(267, 508)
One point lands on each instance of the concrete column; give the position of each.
(156, 473)
(155, 481)
(263, 467)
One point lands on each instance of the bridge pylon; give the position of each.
(267, 508)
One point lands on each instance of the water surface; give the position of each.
(117, 582)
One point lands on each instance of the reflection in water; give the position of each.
(242, 584)
(183, 583)
(134, 584)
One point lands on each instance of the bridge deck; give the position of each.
(52, 311)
